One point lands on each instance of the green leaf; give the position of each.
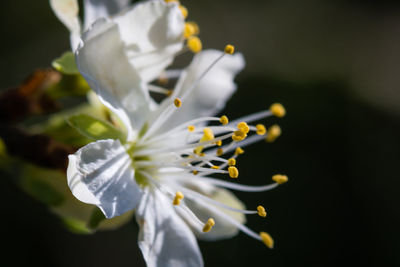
(95, 129)
(66, 64)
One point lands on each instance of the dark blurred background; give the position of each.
(333, 64)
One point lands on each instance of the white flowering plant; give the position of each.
(139, 148)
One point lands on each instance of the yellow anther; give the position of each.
(243, 127)
(224, 120)
(261, 211)
(208, 134)
(191, 128)
(202, 154)
(273, 133)
(195, 27)
(261, 129)
(169, 92)
(184, 11)
(215, 167)
(229, 49)
(220, 152)
(277, 110)
(162, 80)
(172, 1)
(177, 102)
(218, 143)
(208, 225)
(233, 172)
(195, 172)
(194, 44)
(178, 197)
(267, 239)
(279, 178)
(189, 30)
(239, 151)
(238, 136)
(231, 162)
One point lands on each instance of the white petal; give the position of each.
(222, 228)
(212, 92)
(102, 61)
(100, 173)
(153, 34)
(165, 240)
(67, 12)
(95, 9)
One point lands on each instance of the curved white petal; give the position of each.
(95, 9)
(165, 240)
(100, 173)
(153, 34)
(67, 12)
(102, 61)
(212, 92)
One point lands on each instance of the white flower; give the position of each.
(67, 12)
(163, 169)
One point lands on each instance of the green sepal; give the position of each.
(66, 64)
(41, 190)
(76, 216)
(95, 129)
(96, 218)
(76, 226)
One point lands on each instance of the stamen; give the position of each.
(239, 151)
(233, 172)
(229, 49)
(224, 120)
(231, 162)
(208, 225)
(176, 129)
(279, 178)
(195, 27)
(261, 129)
(219, 143)
(215, 167)
(208, 134)
(177, 102)
(234, 222)
(172, 73)
(172, 1)
(178, 197)
(220, 152)
(194, 44)
(277, 110)
(238, 136)
(253, 117)
(273, 133)
(243, 127)
(239, 187)
(267, 239)
(198, 197)
(191, 128)
(158, 89)
(189, 30)
(162, 80)
(261, 211)
(184, 11)
(165, 113)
